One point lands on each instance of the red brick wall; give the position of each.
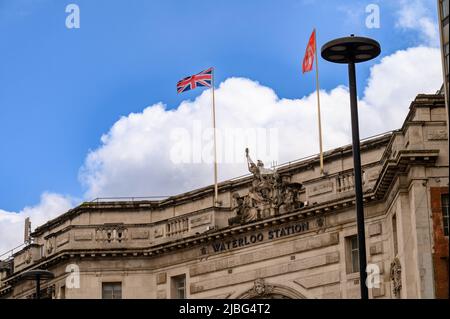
(440, 253)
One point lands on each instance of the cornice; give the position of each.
(206, 191)
(391, 169)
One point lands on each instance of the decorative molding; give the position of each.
(140, 234)
(200, 220)
(374, 229)
(111, 233)
(376, 248)
(158, 232)
(321, 188)
(62, 240)
(263, 290)
(270, 194)
(396, 277)
(161, 278)
(82, 236)
(268, 271)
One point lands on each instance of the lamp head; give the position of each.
(350, 49)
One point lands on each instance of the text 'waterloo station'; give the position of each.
(288, 232)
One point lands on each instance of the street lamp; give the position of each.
(351, 50)
(38, 275)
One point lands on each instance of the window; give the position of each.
(444, 8)
(352, 254)
(444, 204)
(179, 287)
(112, 290)
(394, 234)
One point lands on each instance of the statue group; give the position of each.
(270, 194)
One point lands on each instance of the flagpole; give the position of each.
(216, 191)
(318, 102)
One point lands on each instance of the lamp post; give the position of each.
(352, 50)
(38, 275)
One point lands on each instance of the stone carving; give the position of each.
(50, 246)
(158, 232)
(270, 194)
(111, 233)
(396, 277)
(28, 256)
(320, 222)
(261, 289)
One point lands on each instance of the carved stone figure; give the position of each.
(243, 209)
(49, 246)
(260, 288)
(28, 256)
(111, 233)
(270, 194)
(396, 277)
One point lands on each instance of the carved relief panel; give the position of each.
(111, 233)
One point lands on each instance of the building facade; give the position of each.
(443, 16)
(288, 232)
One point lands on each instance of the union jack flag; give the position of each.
(203, 78)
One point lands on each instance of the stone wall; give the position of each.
(301, 253)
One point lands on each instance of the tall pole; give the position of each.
(318, 102)
(216, 191)
(358, 183)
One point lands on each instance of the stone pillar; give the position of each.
(406, 248)
(422, 230)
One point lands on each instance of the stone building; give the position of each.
(288, 232)
(443, 21)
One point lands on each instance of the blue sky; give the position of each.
(62, 89)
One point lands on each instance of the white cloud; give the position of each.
(395, 81)
(419, 15)
(12, 223)
(134, 156)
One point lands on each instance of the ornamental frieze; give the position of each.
(270, 194)
(111, 233)
(396, 277)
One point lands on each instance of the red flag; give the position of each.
(308, 60)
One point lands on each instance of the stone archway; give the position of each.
(263, 290)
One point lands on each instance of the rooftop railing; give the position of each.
(309, 157)
(162, 197)
(129, 199)
(9, 253)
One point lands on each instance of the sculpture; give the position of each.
(49, 246)
(260, 288)
(269, 194)
(244, 210)
(396, 277)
